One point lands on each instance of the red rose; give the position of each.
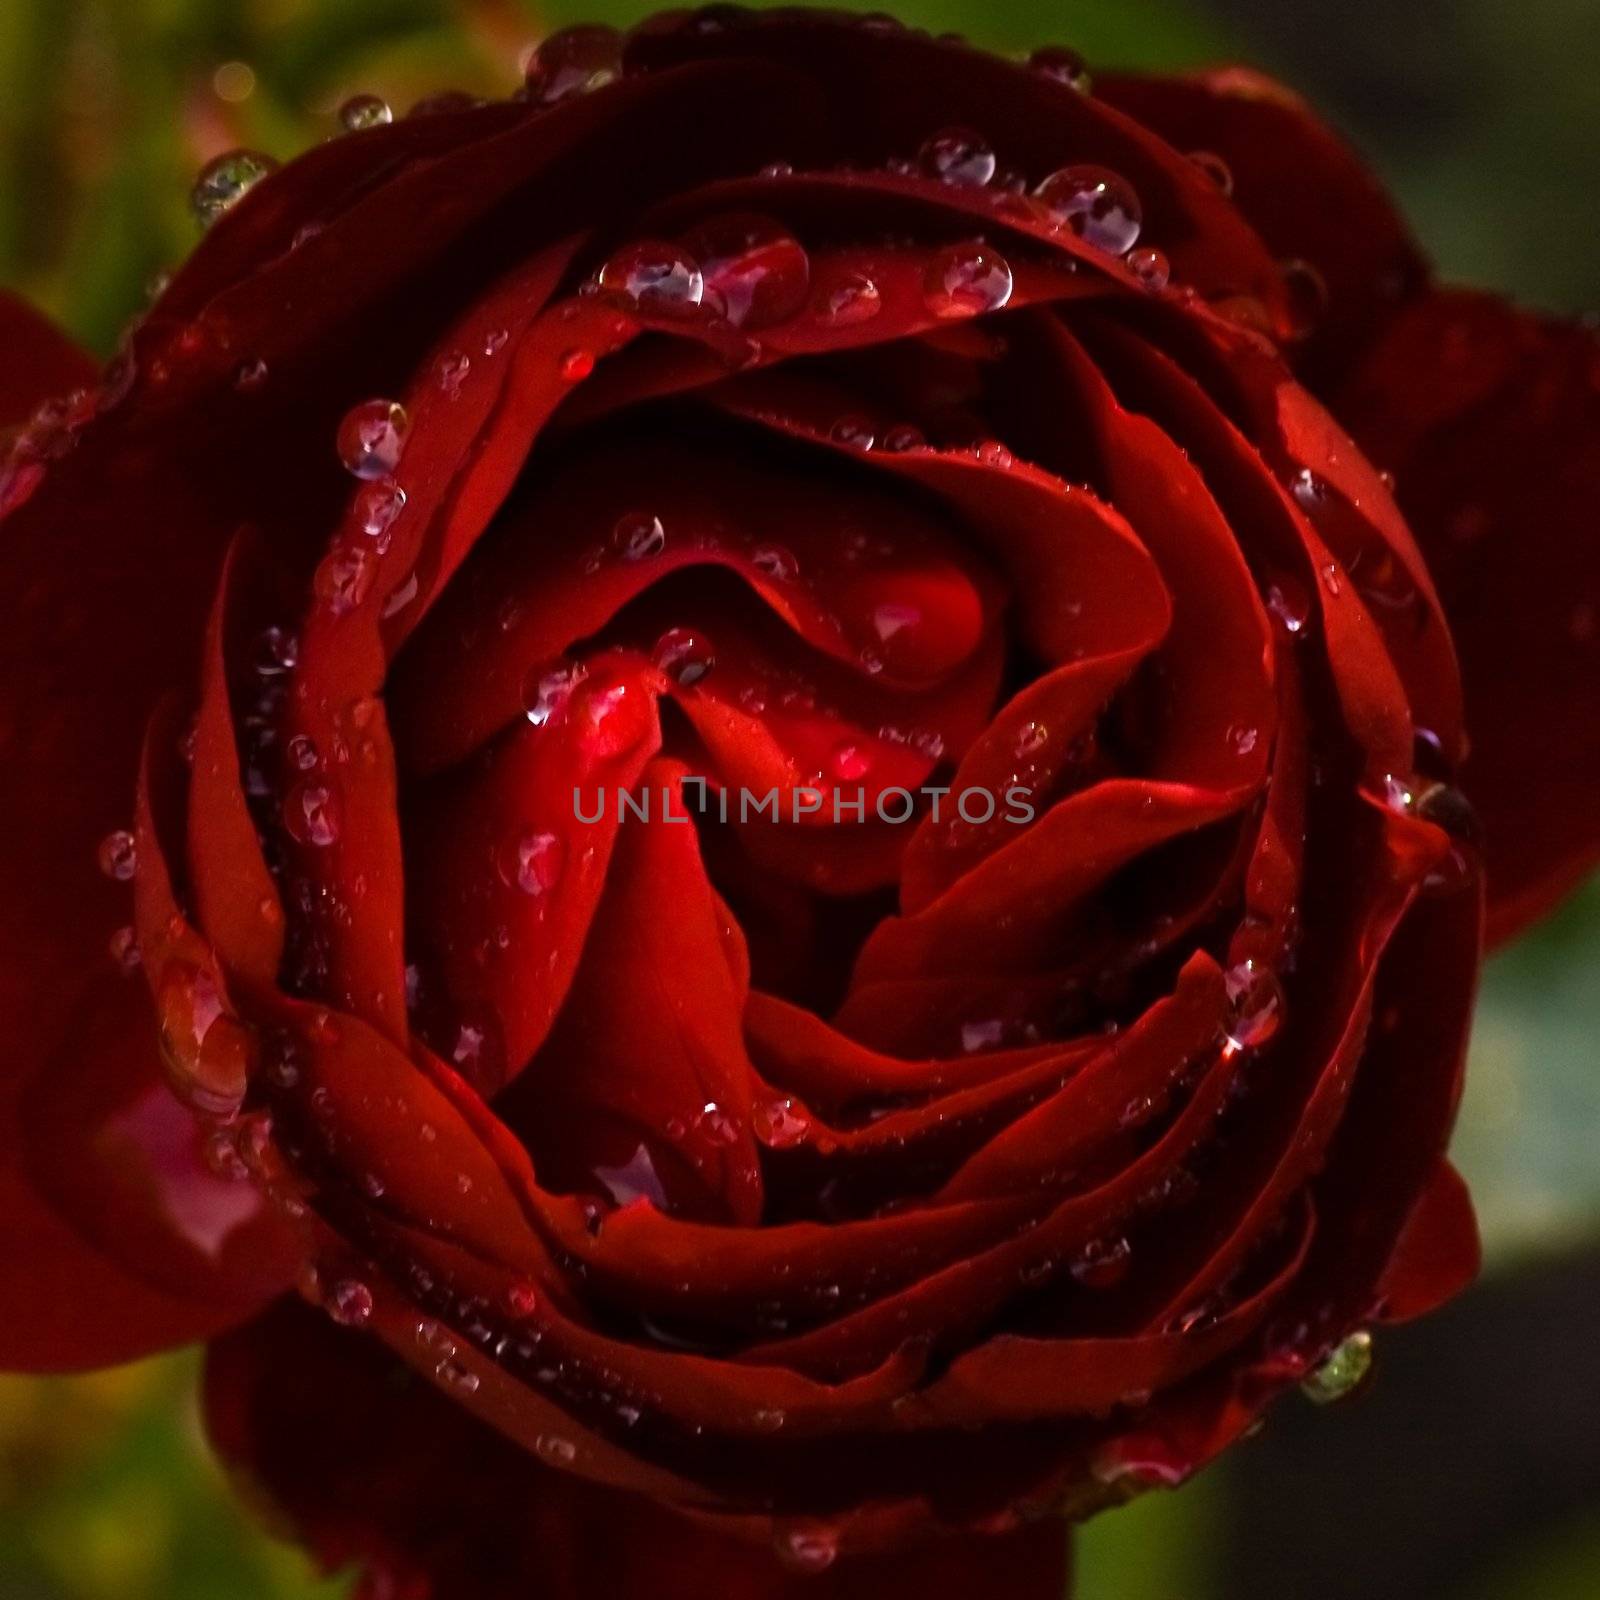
(787, 406)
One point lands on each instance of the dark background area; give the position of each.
(1470, 1467)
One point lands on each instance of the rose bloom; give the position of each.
(790, 403)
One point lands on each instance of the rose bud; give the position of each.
(739, 824)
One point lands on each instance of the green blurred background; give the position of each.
(1474, 1471)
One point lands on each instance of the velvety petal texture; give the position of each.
(778, 803)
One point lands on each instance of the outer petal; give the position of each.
(374, 1467)
(1490, 420)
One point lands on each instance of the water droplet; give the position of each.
(223, 183)
(350, 1303)
(966, 280)
(850, 762)
(904, 436)
(775, 562)
(808, 1549)
(1064, 65)
(124, 948)
(249, 376)
(576, 365)
(638, 536)
(1241, 739)
(117, 855)
(1445, 806)
(1032, 737)
(377, 507)
(1103, 1263)
(365, 111)
(548, 689)
(311, 813)
(522, 1300)
(206, 1050)
(372, 437)
(1307, 292)
(1215, 168)
(344, 577)
(959, 156)
(1288, 601)
(457, 1376)
(452, 371)
(1257, 1002)
(1341, 1371)
(1097, 204)
(573, 61)
(555, 1451)
(656, 277)
(850, 299)
(532, 862)
(1151, 268)
(756, 272)
(857, 432)
(780, 1125)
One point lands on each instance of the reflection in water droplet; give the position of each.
(117, 856)
(1257, 1001)
(533, 862)
(1215, 168)
(365, 111)
(638, 535)
(548, 689)
(849, 299)
(756, 272)
(684, 655)
(350, 1303)
(223, 183)
(656, 277)
(573, 61)
(1341, 1371)
(311, 814)
(959, 156)
(967, 280)
(372, 437)
(1098, 205)
(1151, 268)
(1064, 65)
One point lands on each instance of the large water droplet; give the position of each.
(573, 61)
(756, 272)
(1256, 997)
(365, 111)
(206, 1050)
(959, 156)
(967, 280)
(1341, 1371)
(372, 437)
(311, 813)
(656, 277)
(223, 183)
(1097, 204)
(684, 655)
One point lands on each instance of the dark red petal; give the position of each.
(372, 1467)
(1298, 184)
(40, 362)
(1490, 420)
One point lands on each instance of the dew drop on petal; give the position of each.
(124, 948)
(571, 62)
(555, 1451)
(576, 365)
(372, 437)
(904, 436)
(684, 655)
(656, 277)
(1256, 998)
(780, 1124)
(117, 856)
(249, 376)
(756, 272)
(1289, 602)
(808, 1549)
(1150, 267)
(1098, 205)
(857, 432)
(776, 562)
(1215, 168)
(1307, 292)
(206, 1050)
(848, 299)
(522, 1300)
(1341, 1371)
(637, 536)
(1064, 65)
(350, 1303)
(378, 506)
(966, 280)
(1032, 737)
(223, 183)
(959, 156)
(1445, 806)
(365, 111)
(548, 688)
(311, 813)
(533, 862)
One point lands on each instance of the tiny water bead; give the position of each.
(1151, 268)
(363, 111)
(1063, 65)
(1341, 1371)
(532, 862)
(573, 61)
(1288, 600)
(372, 438)
(684, 655)
(967, 280)
(959, 156)
(656, 277)
(1256, 998)
(637, 536)
(756, 272)
(1097, 204)
(1215, 168)
(350, 1303)
(224, 182)
(547, 689)
(117, 856)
